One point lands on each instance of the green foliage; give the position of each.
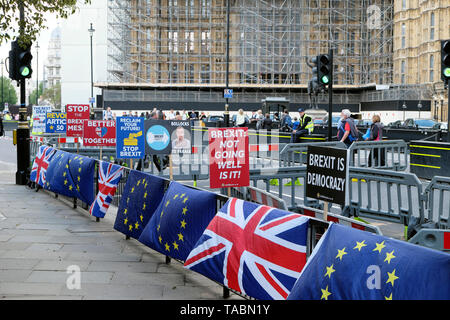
(9, 93)
(32, 97)
(53, 95)
(34, 20)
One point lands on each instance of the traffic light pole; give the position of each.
(448, 110)
(23, 130)
(330, 98)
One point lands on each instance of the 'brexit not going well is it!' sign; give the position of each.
(229, 157)
(99, 133)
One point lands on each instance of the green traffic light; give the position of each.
(325, 79)
(447, 72)
(24, 71)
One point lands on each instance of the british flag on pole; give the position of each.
(109, 176)
(253, 249)
(40, 164)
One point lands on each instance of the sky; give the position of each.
(42, 39)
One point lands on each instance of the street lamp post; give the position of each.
(404, 110)
(226, 114)
(3, 102)
(91, 33)
(37, 73)
(419, 106)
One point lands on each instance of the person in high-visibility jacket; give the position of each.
(305, 127)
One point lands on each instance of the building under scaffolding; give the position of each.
(175, 50)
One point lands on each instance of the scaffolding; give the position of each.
(271, 41)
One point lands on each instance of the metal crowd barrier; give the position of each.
(386, 154)
(437, 202)
(253, 194)
(294, 154)
(379, 194)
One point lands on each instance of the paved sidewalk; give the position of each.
(41, 236)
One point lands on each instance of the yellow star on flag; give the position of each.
(143, 207)
(341, 253)
(185, 199)
(175, 245)
(325, 293)
(65, 182)
(359, 245)
(185, 209)
(125, 211)
(125, 221)
(136, 225)
(70, 187)
(79, 178)
(389, 256)
(180, 237)
(64, 174)
(79, 169)
(175, 196)
(167, 246)
(330, 270)
(392, 277)
(142, 217)
(145, 195)
(130, 227)
(183, 224)
(388, 298)
(379, 247)
(167, 203)
(132, 190)
(160, 239)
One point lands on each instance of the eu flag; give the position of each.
(179, 221)
(71, 175)
(350, 264)
(142, 194)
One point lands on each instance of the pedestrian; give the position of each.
(241, 119)
(286, 121)
(267, 122)
(306, 126)
(108, 114)
(259, 120)
(295, 123)
(376, 134)
(178, 116)
(347, 131)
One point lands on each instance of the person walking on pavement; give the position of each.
(347, 131)
(286, 121)
(306, 126)
(267, 122)
(376, 134)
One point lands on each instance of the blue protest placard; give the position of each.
(56, 122)
(130, 140)
(228, 93)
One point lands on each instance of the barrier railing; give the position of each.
(253, 194)
(386, 154)
(380, 194)
(437, 202)
(294, 154)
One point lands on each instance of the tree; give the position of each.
(9, 93)
(53, 95)
(34, 20)
(32, 96)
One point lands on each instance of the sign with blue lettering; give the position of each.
(130, 139)
(228, 93)
(56, 122)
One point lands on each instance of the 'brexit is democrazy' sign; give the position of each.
(327, 174)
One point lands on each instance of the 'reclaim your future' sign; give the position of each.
(327, 174)
(229, 157)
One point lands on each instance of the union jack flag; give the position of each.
(109, 176)
(253, 249)
(40, 164)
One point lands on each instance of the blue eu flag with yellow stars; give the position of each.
(71, 175)
(350, 264)
(179, 221)
(142, 195)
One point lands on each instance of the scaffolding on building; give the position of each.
(271, 41)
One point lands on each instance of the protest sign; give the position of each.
(130, 138)
(55, 122)
(76, 114)
(99, 133)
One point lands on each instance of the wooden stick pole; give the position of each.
(170, 167)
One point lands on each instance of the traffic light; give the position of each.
(314, 82)
(445, 60)
(20, 62)
(324, 69)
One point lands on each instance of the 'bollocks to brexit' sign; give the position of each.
(55, 122)
(130, 138)
(76, 114)
(229, 157)
(99, 133)
(327, 174)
